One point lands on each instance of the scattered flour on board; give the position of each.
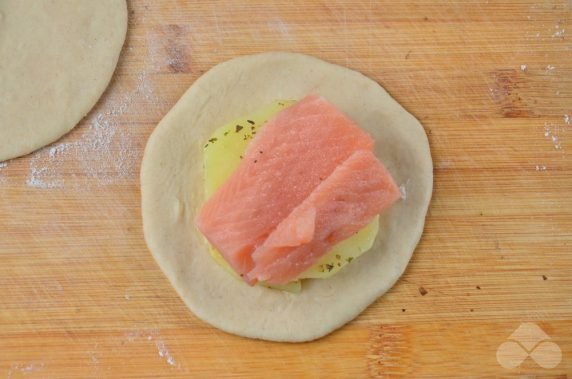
(540, 168)
(153, 335)
(559, 33)
(92, 353)
(132, 335)
(278, 25)
(164, 353)
(18, 370)
(155, 46)
(555, 134)
(550, 67)
(443, 164)
(523, 68)
(43, 175)
(2, 166)
(567, 119)
(167, 49)
(104, 151)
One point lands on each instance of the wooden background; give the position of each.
(491, 81)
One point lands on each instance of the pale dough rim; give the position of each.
(77, 46)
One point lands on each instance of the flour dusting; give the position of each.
(550, 67)
(276, 24)
(164, 353)
(540, 168)
(523, 68)
(58, 150)
(153, 335)
(42, 176)
(559, 33)
(555, 133)
(168, 49)
(2, 166)
(444, 164)
(155, 46)
(18, 370)
(104, 151)
(132, 335)
(567, 119)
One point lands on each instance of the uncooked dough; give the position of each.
(172, 192)
(56, 59)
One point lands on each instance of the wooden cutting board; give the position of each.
(491, 81)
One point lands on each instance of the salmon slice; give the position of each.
(358, 189)
(282, 165)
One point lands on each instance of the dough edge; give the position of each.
(87, 73)
(172, 192)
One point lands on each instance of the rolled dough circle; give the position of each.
(56, 59)
(172, 192)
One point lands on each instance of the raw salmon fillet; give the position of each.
(282, 166)
(357, 190)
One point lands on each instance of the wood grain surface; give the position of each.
(491, 81)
